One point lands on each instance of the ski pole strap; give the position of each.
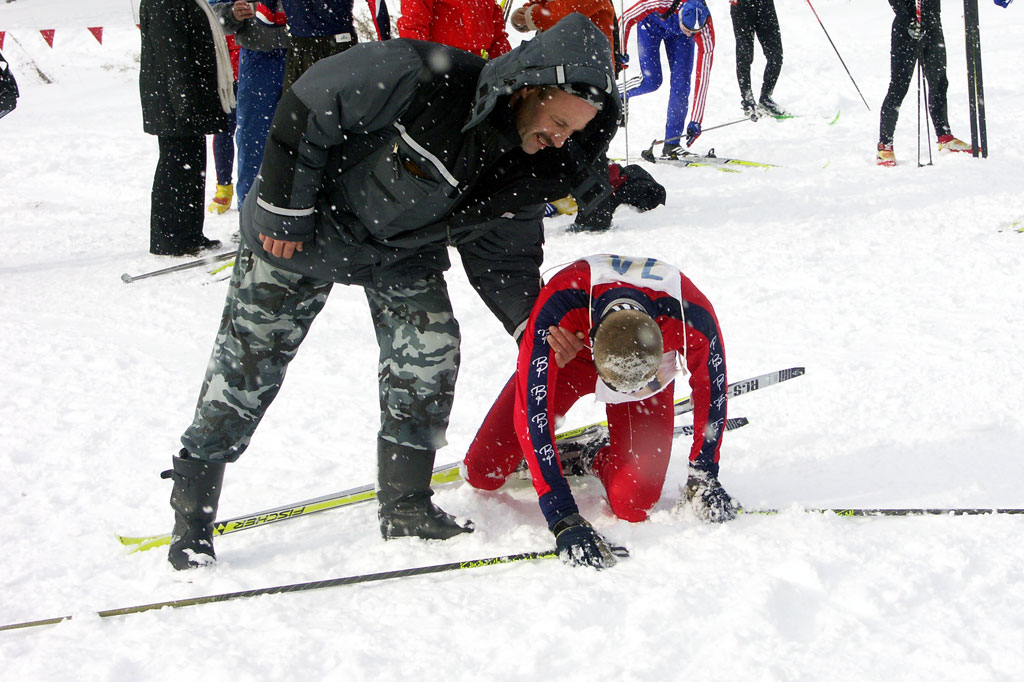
(672, 9)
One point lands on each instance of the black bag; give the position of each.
(633, 186)
(8, 89)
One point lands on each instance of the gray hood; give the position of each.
(573, 51)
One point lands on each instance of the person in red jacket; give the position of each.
(646, 320)
(540, 15)
(477, 26)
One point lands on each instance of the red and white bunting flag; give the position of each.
(47, 34)
(2, 34)
(97, 32)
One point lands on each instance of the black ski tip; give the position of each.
(620, 551)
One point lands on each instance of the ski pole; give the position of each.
(919, 115)
(315, 585)
(837, 54)
(198, 263)
(922, 90)
(975, 87)
(951, 511)
(650, 150)
(927, 119)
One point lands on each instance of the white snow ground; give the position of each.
(896, 288)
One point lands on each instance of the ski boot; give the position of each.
(576, 454)
(578, 458)
(886, 156)
(672, 152)
(403, 496)
(222, 199)
(204, 244)
(948, 143)
(750, 109)
(197, 487)
(770, 108)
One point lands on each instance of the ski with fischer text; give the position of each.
(446, 473)
(711, 160)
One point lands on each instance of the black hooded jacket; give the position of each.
(383, 156)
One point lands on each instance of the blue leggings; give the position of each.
(259, 87)
(224, 151)
(651, 33)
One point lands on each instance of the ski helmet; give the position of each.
(627, 349)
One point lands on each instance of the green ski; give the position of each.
(446, 473)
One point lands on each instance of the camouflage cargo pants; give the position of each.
(267, 315)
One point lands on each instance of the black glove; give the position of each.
(579, 544)
(710, 502)
(915, 30)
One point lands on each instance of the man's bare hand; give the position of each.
(565, 344)
(242, 10)
(279, 247)
(518, 19)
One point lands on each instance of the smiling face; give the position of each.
(547, 116)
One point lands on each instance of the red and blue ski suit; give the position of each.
(682, 52)
(632, 468)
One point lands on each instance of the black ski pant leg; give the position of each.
(934, 61)
(176, 206)
(902, 60)
(743, 30)
(266, 316)
(770, 37)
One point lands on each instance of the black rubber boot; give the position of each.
(403, 495)
(194, 500)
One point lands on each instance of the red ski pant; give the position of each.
(632, 468)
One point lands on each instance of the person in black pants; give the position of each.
(913, 40)
(185, 81)
(8, 89)
(757, 18)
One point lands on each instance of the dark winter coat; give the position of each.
(265, 32)
(178, 76)
(8, 89)
(311, 18)
(383, 156)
